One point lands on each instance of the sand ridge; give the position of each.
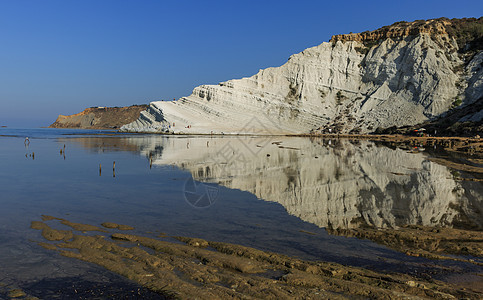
(183, 267)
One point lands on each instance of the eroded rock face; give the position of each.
(398, 30)
(400, 75)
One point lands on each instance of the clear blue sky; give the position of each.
(61, 56)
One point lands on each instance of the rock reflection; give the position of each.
(336, 184)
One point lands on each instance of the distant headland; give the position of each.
(100, 117)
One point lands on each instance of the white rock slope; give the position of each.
(402, 75)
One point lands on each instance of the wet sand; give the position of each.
(183, 267)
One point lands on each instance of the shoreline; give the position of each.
(187, 267)
(459, 144)
(471, 146)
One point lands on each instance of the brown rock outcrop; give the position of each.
(229, 271)
(397, 30)
(100, 117)
(461, 29)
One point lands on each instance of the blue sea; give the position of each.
(272, 193)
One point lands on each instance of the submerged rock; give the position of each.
(117, 226)
(233, 271)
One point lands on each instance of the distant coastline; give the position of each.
(100, 117)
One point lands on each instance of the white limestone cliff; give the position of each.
(344, 85)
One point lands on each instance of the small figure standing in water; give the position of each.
(27, 148)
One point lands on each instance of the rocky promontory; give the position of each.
(404, 74)
(100, 117)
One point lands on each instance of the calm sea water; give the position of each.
(271, 193)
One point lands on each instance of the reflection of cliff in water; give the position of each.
(335, 184)
(144, 144)
(340, 185)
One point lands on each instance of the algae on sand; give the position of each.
(216, 270)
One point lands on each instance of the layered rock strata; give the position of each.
(403, 74)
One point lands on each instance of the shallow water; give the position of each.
(271, 193)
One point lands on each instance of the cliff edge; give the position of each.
(100, 117)
(404, 74)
